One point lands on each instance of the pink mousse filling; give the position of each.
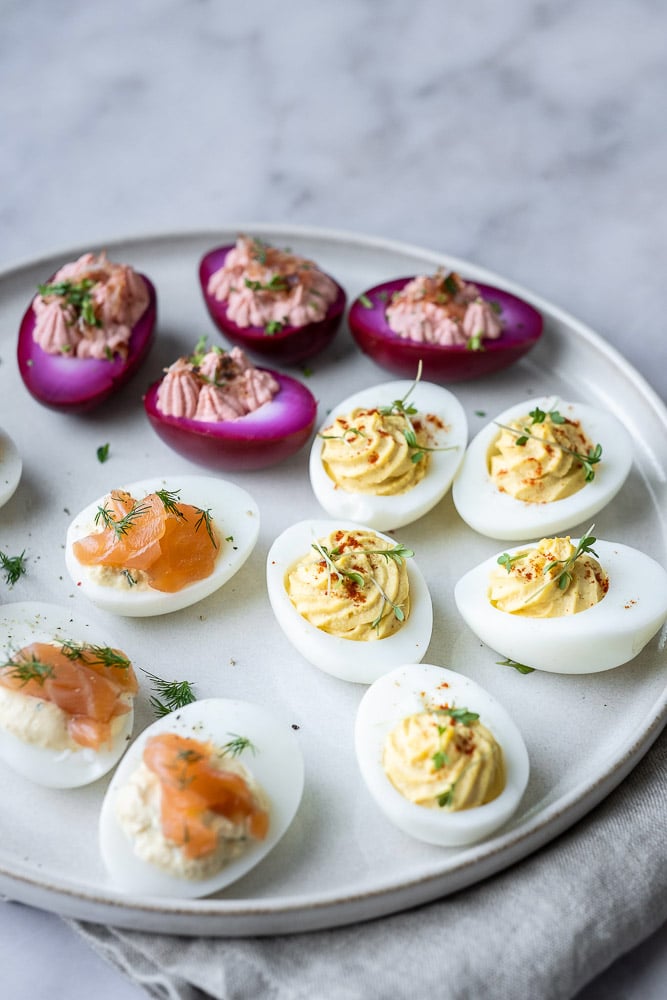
(264, 285)
(216, 386)
(118, 297)
(442, 309)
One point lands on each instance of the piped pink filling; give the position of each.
(219, 386)
(442, 309)
(264, 285)
(118, 298)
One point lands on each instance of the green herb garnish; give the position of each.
(103, 452)
(206, 519)
(399, 408)
(273, 327)
(77, 295)
(397, 554)
(474, 343)
(365, 301)
(450, 284)
(13, 567)
(538, 416)
(237, 745)
(169, 695)
(104, 655)
(462, 715)
(521, 668)
(29, 670)
(277, 284)
(122, 525)
(439, 759)
(564, 577)
(169, 500)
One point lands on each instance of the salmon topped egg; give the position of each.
(66, 701)
(201, 797)
(162, 544)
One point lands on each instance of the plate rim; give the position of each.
(260, 917)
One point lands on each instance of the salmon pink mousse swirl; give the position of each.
(89, 308)
(443, 309)
(214, 386)
(267, 287)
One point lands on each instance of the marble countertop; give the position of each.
(523, 137)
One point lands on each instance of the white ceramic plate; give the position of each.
(340, 861)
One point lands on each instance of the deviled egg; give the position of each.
(388, 454)
(161, 544)
(351, 600)
(86, 332)
(441, 757)
(200, 798)
(270, 301)
(459, 330)
(11, 467)
(540, 467)
(220, 411)
(66, 697)
(532, 605)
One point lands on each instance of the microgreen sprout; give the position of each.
(564, 576)
(397, 554)
(520, 668)
(462, 715)
(538, 416)
(273, 326)
(103, 452)
(365, 301)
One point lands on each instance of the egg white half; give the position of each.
(385, 512)
(11, 467)
(416, 687)
(27, 622)
(276, 765)
(499, 515)
(348, 659)
(612, 632)
(234, 513)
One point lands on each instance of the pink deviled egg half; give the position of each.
(215, 408)
(269, 301)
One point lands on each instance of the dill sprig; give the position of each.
(26, 670)
(169, 695)
(237, 745)
(206, 518)
(77, 295)
(13, 567)
(121, 526)
(169, 500)
(90, 653)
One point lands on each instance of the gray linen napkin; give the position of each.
(543, 928)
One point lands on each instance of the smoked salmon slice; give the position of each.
(174, 544)
(192, 785)
(89, 683)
